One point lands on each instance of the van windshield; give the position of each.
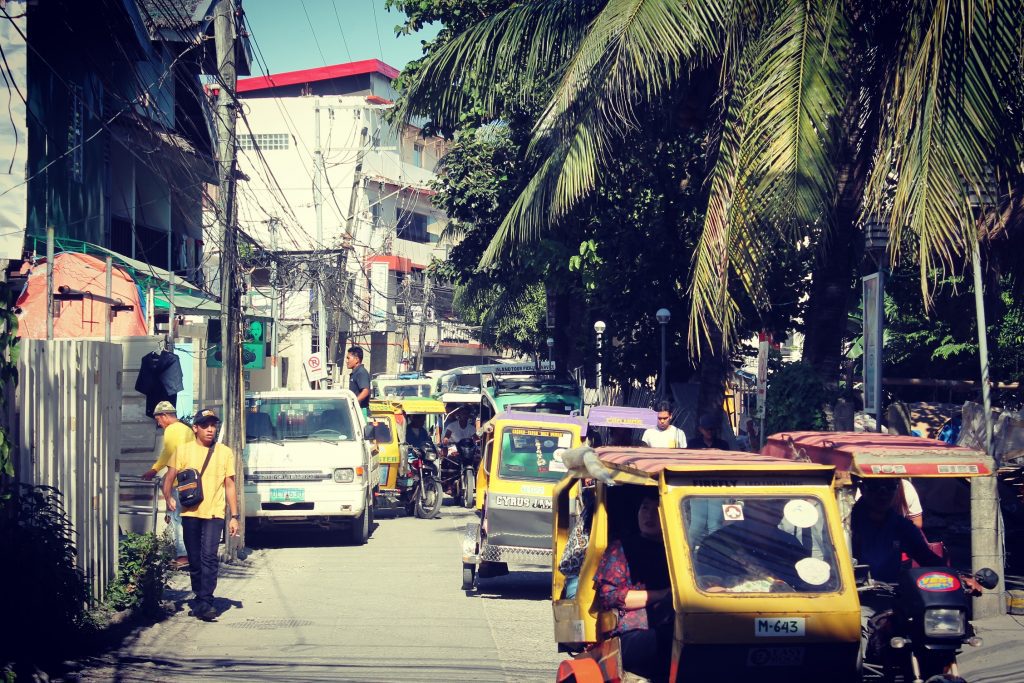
(528, 453)
(760, 544)
(298, 418)
(404, 390)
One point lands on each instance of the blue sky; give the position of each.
(283, 33)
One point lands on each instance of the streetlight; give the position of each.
(663, 315)
(551, 347)
(599, 328)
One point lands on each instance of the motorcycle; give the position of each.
(920, 625)
(458, 471)
(420, 488)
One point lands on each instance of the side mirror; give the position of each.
(987, 578)
(370, 432)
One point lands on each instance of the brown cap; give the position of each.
(165, 408)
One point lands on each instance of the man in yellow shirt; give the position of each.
(202, 523)
(176, 433)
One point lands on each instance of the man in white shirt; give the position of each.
(908, 503)
(458, 429)
(666, 435)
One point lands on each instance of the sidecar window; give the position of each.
(760, 544)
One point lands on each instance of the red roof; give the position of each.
(873, 454)
(320, 73)
(398, 264)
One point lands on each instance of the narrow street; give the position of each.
(304, 608)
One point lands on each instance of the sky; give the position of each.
(336, 31)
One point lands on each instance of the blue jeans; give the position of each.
(174, 525)
(202, 536)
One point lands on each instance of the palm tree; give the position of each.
(826, 110)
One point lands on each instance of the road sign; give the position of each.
(763, 345)
(316, 367)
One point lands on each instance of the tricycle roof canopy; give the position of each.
(422, 406)
(526, 416)
(868, 454)
(622, 416)
(645, 465)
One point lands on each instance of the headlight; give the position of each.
(943, 622)
(344, 475)
(429, 455)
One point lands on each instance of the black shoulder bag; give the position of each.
(190, 483)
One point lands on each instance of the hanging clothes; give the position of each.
(160, 379)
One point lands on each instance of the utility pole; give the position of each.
(225, 28)
(408, 314)
(421, 346)
(275, 312)
(318, 204)
(350, 221)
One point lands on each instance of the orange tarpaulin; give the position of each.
(79, 318)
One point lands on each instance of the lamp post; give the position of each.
(599, 328)
(663, 315)
(551, 348)
(986, 519)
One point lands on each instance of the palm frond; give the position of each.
(949, 125)
(633, 53)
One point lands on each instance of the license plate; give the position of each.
(779, 626)
(775, 656)
(287, 495)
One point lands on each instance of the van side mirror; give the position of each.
(370, 432)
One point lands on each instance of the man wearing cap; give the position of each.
(202, 523)
(706, 437)
(176, 433)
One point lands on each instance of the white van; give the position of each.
(307, 461)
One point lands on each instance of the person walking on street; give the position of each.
(359, 379)
(202, 523)
(176, 433)
(706, 437)
(666, 435)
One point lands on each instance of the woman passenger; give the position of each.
(632, 580)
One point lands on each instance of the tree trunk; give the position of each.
(714, 370)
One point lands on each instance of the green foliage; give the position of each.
(795, 400)
(45, 592)
(143, 568)
(8, 376)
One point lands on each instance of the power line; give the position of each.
(313, 31)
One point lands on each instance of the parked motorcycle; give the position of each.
(920, 625)
(458, 471)
(420, 488)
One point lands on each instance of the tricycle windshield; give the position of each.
(529, 453)
(549, 407)
(760, 544)
(298, 418)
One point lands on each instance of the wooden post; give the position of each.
(109, 291)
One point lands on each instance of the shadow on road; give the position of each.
(521, 585)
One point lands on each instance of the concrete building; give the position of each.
(365, 237)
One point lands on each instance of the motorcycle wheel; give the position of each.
(429, 496)
(468, 489)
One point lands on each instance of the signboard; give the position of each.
(316, 367)
(764, 342)
(550, 317)
(872, 359)
(379, 297)
(254, 356)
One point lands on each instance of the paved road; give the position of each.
(304, 608)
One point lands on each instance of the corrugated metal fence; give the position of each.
(69, 416)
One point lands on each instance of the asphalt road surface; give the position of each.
(306, 607)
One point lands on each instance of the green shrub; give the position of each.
(795, 400)
(143, 567)
(45, 593)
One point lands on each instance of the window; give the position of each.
(760, 544)
(267, 142)
(530, 453)
(296, 419)
(412, 226)
(417, 155)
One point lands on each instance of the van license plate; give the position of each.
(779, 626)
(775, 656)
(287, 495)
